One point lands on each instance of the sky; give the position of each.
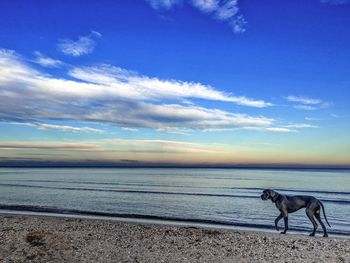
(179, 82)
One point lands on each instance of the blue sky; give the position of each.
(197, 81)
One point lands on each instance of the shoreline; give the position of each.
(154, 220)
(34, 238)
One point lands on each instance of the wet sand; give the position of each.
(51, 239)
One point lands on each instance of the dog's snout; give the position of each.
(263, 197)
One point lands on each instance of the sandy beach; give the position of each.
(50, 239)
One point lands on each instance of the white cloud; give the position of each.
(300, 126)
(306, 103)
(113, 96)
(130, 85)
(260, 129)
(303, 100)
(95, 33)
(83, 46)
(66, 128)
(129, 129)
(46, 61)
(206, 5)
(283, 128)
(223, 10)
(279, 129)
(226, 9)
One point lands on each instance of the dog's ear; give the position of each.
(267, 193)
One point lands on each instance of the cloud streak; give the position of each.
(305, 103)
(166, 146)
(48, 146)
(303, 100)
(46, 61)
(222, 10)
(115, 147)
(128, 84)
(64, 128)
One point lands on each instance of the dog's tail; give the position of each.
(324, 214)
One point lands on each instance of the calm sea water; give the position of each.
(223, 196)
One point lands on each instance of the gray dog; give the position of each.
(289, 204)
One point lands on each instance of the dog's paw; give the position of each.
(283, 233)
(325, 235)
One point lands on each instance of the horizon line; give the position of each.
(106, 164)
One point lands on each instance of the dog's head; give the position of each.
(268, 194)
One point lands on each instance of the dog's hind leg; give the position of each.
(310, 214)
(318, 217)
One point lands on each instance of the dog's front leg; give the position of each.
(277, 220)
(285, 217)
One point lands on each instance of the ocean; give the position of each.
(226, 197)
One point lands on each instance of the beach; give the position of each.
(52, 239)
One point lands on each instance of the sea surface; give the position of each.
(228, 197)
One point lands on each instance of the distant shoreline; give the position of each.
(253, 167)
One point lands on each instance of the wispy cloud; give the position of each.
(46, 61)
(48, 145)
(114, 149)
(206, 6)
(336, 116)
(312, 119)
(305, 107)
(115, 96)
(303, 100)
(129, 129)
(279, 129)
(82, 46)
(283, 128)
(223, 10)
(306, 103)
(167, 146)
(300, 126)
(65, 128)
(157, 4)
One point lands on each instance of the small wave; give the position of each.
(127, 191)
(144, 184)
(338, 201)
(294, 190)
